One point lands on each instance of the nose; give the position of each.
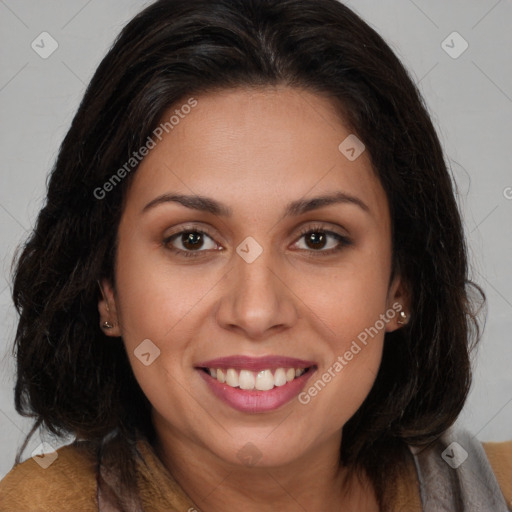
(257, 299)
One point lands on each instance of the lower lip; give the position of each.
(257, 401)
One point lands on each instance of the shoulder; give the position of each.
(500, 458)
(68, 483)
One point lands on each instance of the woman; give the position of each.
(248, 288)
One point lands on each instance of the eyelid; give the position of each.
(201, 228)
(324, 227)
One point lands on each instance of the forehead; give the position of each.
(265, 146)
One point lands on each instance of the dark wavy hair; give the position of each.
(73, 380)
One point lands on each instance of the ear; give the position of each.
(398, 301)
(108, 310)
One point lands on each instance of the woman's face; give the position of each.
(290, 271)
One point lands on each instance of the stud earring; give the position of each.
(106, 325)
(402, 319)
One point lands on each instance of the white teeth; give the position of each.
(232, 378)
(246, 380)
(280, 377)
(263, 380)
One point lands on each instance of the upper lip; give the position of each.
(255, 363)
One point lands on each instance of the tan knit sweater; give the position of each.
(69, 483)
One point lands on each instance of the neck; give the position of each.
(315, 481)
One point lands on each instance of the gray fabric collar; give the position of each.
(456, 476)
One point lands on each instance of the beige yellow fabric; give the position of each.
(69, 484)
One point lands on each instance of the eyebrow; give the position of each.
(295, 208)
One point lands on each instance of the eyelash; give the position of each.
(343, 241)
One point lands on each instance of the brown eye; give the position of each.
(316, 240)
(190, 241)
(322, 240)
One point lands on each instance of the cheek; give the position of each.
(337, 392)
(152, 305)
(350, 307)
(349, 298)
(162, 303)
(350, 315)
(155, 296)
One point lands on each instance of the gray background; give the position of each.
(470, 98)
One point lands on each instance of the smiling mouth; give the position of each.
(263, 380)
